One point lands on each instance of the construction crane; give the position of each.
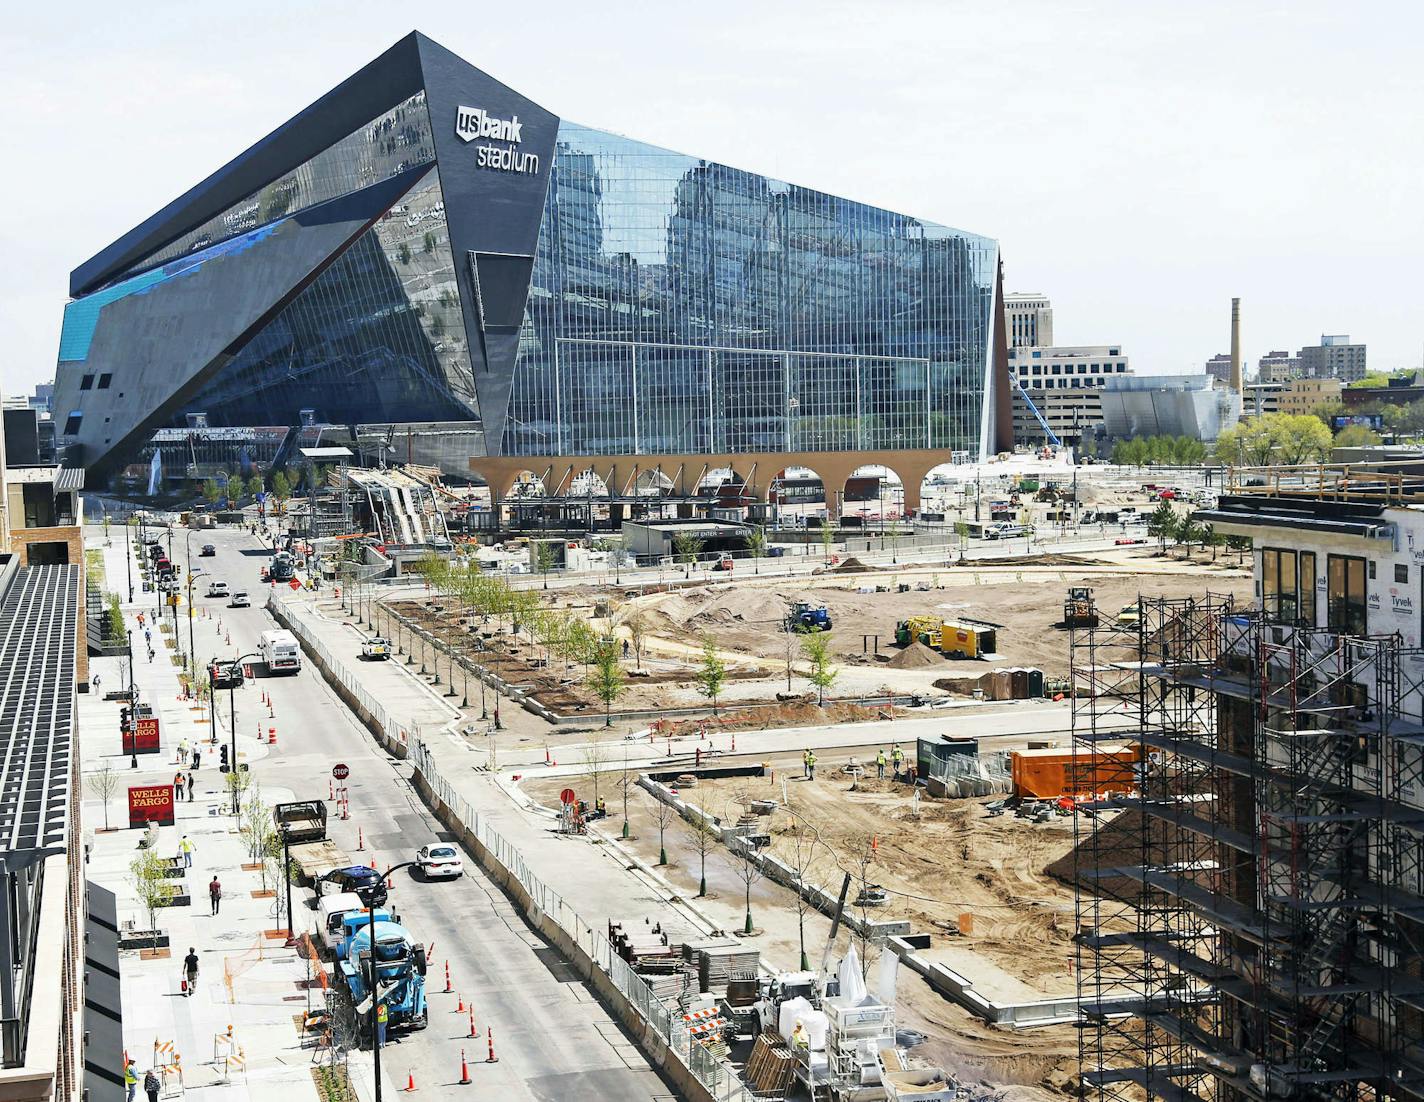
(1052, 436)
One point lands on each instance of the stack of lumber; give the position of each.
(717, 965)
(770, 1067)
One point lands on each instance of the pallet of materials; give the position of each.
(770, 1067)
(715, 967)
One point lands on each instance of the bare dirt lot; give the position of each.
(1027, 606)
(939, 862)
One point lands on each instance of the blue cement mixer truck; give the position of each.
(399, 976)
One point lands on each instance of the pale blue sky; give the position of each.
(1139, 162)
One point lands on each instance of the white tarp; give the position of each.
(885, 978)
(852, 982)
(800, 1010)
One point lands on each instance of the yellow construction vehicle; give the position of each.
(925, 629)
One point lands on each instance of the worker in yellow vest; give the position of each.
(880, 765)
(897, 758)
(810, 765)
(382, 1016)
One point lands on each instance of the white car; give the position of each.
(440, 859)
(239, 600)
(217, 589)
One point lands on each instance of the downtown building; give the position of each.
(427, 257)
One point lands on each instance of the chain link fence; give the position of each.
(714, 1073)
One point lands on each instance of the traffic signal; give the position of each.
(125, 719)
(223, 765)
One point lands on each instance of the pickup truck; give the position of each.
(376, 648)
(300, 821)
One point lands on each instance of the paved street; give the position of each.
(549, 1032)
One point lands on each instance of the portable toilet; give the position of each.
(1035, 683)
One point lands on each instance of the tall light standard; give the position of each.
(232, 717)
(372, 976)
(128, 556)
(192, 650)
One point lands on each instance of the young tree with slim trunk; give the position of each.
(637, 625)
(102, 785)
(663, 815)
(756, 546)
(744, 864)
(606, 681)
(807, 852)
(544, 559)
(685, 548)
(712, 674)
(828, 536)
(704, 836)
(148, 873)
(816, 647)
(593, 757)
(791, 641)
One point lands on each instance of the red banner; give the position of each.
(144, 738)
(151, 803)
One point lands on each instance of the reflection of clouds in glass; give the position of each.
(399, 139)
(682, 306)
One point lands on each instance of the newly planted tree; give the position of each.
(103, 783)
(606, 680)
(712, 673)
(817, 650)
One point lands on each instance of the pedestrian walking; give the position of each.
(150, 654)
(810, 765)
(152, 1084)
(215, 894)
(897, 759)
(130, 1079)
(880, 764)
(95, 680)
(185, 847)
(190, 788)
(806, 764)
(197, 759)
(182, 750)
(190, 971)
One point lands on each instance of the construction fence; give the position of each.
(662, 1025)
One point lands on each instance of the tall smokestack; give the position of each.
(1236, 345)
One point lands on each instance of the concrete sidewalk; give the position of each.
(247, 980)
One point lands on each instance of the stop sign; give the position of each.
(567, 796)
(341, 771)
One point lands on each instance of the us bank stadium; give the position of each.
(425, 257)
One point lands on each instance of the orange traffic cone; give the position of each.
(448, 988)
(464, 1068)
(460, 1009)
(409, 1082)
(493, 1059)
(473, 1033)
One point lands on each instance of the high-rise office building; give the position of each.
(1029, 320)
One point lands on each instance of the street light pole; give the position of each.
(192, 650)
(232, 724)
(375, 1001)
(128, 556)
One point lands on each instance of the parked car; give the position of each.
(361, 879)
(439, 859)
(217, 589)
(208, 551)
(239, 600)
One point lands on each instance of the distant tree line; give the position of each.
(1142, 451)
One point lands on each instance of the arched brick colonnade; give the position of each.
(756, 469)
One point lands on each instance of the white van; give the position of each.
(280, 651)
(331, 910)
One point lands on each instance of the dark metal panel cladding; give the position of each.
(385, 82)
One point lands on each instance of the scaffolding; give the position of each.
(1250, 918)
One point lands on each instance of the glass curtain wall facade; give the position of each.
(679, 306)
(525, 287)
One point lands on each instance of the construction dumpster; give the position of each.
(1052, 772)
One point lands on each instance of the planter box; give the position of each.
(179, 900)
(143, 939)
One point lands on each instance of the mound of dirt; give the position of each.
(851, 565)
(915, 657)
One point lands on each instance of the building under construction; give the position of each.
(1251, 910)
